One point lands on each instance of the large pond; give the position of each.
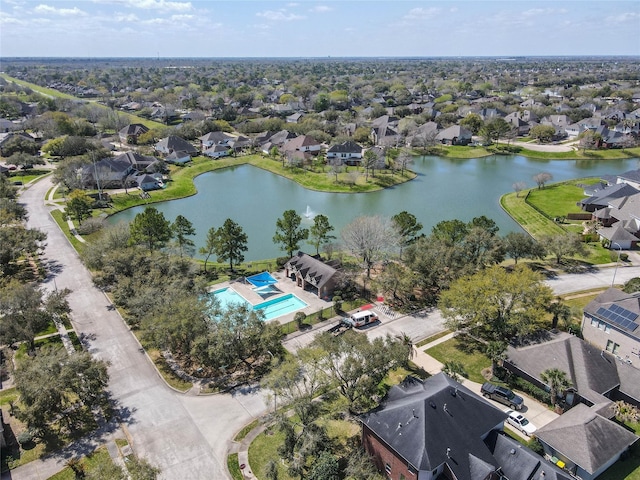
(444, 189)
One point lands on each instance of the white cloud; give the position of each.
(421, 13)
(293, 4)
(536, 12)
(182, 17)
(160, 5)
(321, 9)
(130, 17)
(623, 18)
(279, 16)
(63, 12)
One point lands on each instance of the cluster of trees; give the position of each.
(58, 391)
(351, 366)
(18, 242)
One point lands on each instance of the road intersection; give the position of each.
(189, 436)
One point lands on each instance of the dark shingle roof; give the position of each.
(346, 147)
(421, 420)
(314, 271)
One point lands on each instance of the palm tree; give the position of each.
(556, 380)
(455, 370)
(625, 412)
(407, 343)
(559, 311)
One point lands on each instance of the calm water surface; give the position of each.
(445, 189)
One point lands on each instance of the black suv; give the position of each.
(502, 395)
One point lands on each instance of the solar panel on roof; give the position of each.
(619, 316)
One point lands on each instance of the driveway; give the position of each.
(187, 437)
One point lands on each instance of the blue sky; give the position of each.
(246, 28)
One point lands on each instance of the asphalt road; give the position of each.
(186, 436)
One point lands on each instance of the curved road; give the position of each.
(186, 436)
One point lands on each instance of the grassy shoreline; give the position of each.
(182, 180)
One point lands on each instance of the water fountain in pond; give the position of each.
(309, 213)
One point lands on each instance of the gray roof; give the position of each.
(175, 143)
(586, 438)
(346, 147)
(314, 271)
(605, 195)
(614, 296)
(520, 463)
(134, 129)
(421, 420)
(631, 175)
(592, 372)
(454, 131)
(216, 137)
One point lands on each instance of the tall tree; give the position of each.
(542, 179)
(210, 246)
(370, 239)
(150, 228)
(230, 243)
(562, 245)
(320, 232)
(78, 206)
(357, 365)
(289, 232)
(408, 228)
(557, 381)
(59, 389)
(494, 304)
(182, 229)
(369, 161)
(522, 245)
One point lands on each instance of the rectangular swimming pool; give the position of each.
(271, 309)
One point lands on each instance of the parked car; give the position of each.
(520, 422)
(502, 395)
(360, 319)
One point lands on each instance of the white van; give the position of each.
(359, 319)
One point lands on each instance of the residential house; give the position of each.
(240, 143)
(295, 117)
(178, 158)
(10, 126)
(620, 221)
(279, 138)
(173, 143)
(148, 182)
(302, 143)
(632, 177)
(6, 138)
(424, 135)
(384, 131)
(217, 151)
(610, 321)
(140, 163)
(130, 133)
(597, 376)
(312, 274)
(107, 173)
(600, 195)
(439, 429)
(516, 121)
(214, 138)
(584, 441)
(349, 152)
(454, 135)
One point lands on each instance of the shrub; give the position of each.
(91, 225)
(280, 261)
(529, 388)
(25, 437)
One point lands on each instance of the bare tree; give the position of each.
(404, 160)
(371, 239)
(335, 168)
(518, 187)
(542, 178)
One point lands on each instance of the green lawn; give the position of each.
(459, 349)
(50, 92)
(528, 217)
(92, 462)
(614, 154)
(559, 199)
(8, 395)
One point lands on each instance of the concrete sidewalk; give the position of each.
(537, 413)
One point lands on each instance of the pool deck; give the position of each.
(286, 286)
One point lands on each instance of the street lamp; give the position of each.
(617, 262)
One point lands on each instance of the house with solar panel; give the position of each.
(611, 321)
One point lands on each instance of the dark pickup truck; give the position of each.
(502, 395)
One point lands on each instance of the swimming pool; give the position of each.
(271, 309)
